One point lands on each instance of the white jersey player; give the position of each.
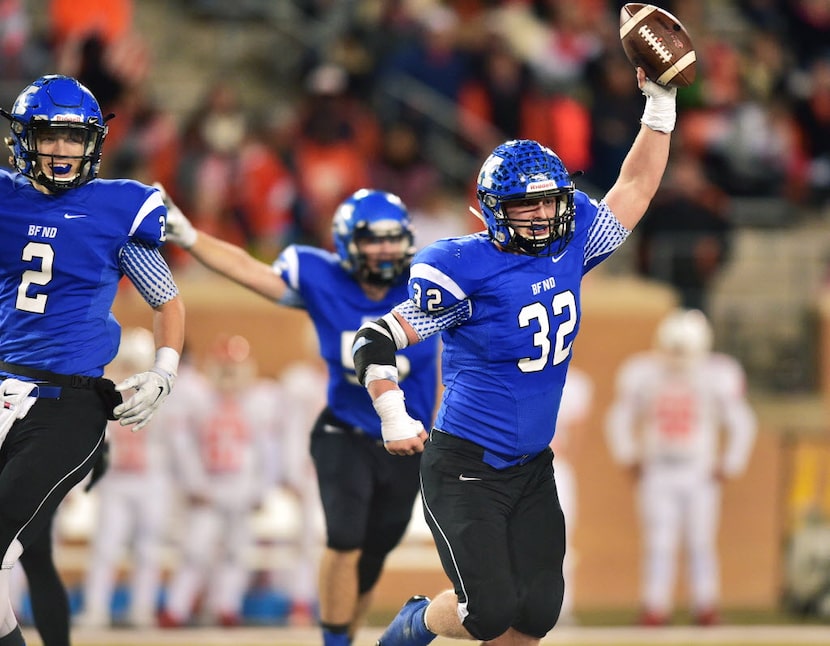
(574, 408)
(665, 423)
(224, 457)
(132, 508)
(304, 396)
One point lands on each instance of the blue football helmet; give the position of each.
(518, 171)
(58, 102)
(373, 215)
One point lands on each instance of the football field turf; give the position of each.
(760, 635)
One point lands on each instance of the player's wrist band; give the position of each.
(396, 424)
(167, 359)
(660, 113)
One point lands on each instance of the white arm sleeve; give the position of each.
(739, 419)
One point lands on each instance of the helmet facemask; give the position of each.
(547, 236)
(48, 169)
(56, 106)
(386, 269)
(526, 173)
(370, 216)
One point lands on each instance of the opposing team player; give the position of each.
(665, 425)
(367, 495)
(133, 504)
(66, 240)
(506, 302)
(304, 396)
(224, 458)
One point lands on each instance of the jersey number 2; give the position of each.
(42, 276)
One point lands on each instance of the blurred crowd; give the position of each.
(409, 97)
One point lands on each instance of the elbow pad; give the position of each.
(374, 345)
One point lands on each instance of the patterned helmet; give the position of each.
(56, 101)
(526, 170)
(371, 214)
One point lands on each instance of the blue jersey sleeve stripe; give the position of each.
(148, 271)
(605, 234)
(433, 275)
(152, 203)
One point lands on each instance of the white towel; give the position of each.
(17, 400)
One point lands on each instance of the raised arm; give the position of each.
(643, 167)
(224, 258)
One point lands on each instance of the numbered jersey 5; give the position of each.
(60, 268)
(338, 307)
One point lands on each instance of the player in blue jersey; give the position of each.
(367, 494)
(66, 240)
(507, 305)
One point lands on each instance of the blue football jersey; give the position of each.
(338, 307)
(59, 269)
(504, 368)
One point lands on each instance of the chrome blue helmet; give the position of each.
(58, 102)
(373, 215)
(522, 170)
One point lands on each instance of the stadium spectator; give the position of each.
(685, 236)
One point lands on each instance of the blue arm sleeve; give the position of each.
(148, 271)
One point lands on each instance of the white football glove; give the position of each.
(151, 389)
(395, 422)
(179, 229)
(661, 112)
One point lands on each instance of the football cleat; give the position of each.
(166, 620)
(408, 627)
(707, 617)
(653, 619)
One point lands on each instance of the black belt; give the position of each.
(67, 381)
(478, 452)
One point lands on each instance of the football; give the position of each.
(658, 42)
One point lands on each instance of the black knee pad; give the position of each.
(492, 616)
(540, 613)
